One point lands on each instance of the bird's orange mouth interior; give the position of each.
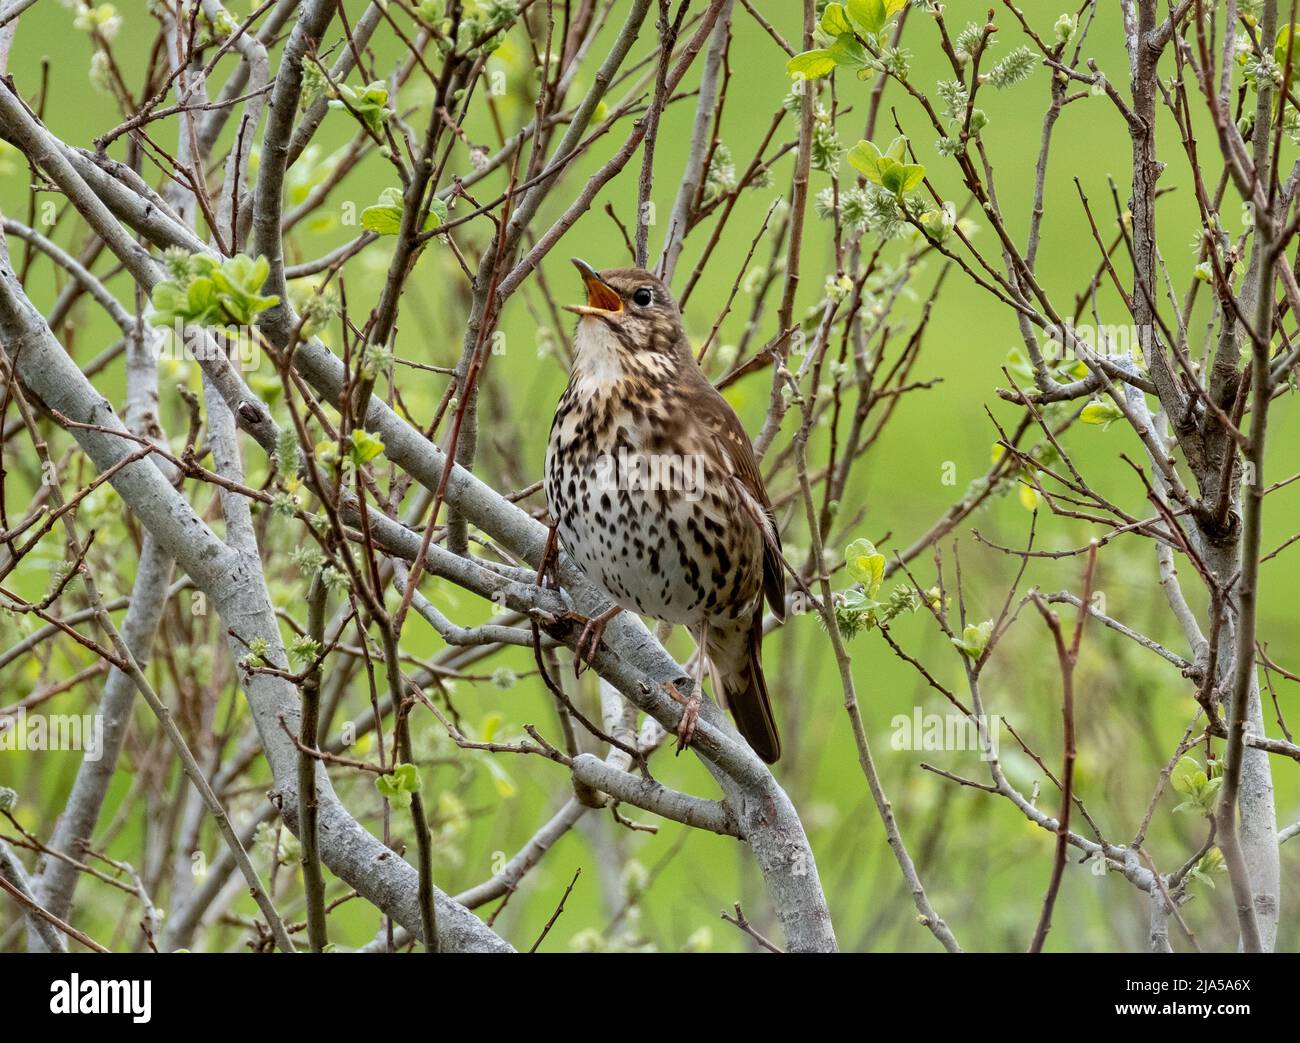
(601, 297)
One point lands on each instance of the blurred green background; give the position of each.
(984, 865)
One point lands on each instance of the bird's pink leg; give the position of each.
(690, 713)
(701, 658)
(549, 567)
(691, 704)
(593, 630)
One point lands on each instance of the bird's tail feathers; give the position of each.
(745, 694)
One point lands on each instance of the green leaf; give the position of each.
(1184, 772)
(892, 176)
(975, 638)
(1284, 35)
(437, 214)
(385, 217)
(865, 565)
(370, 103)
(834, 21)
(242, 274)
(854, 599)
(887, 169)
(365, 446)
(206, 292)
(201, 300)
(1211, 862)
(1281, 42)
(382, 220)
(1200, 786)
(327, 452)
(913, 175)
(375, 93)
(811, 65)
(847, 51)
(868, 15)
(938, 225)
(399, 786)
(237, 283)
(1100, 413)
(865, 158)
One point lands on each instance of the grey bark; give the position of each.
(229, 579)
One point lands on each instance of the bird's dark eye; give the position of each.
(643, 296)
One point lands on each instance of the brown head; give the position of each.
(633, 310)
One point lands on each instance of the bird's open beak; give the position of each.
(602, 299)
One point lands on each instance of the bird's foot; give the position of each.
(548, 569)
(690, 713)
(588, 644)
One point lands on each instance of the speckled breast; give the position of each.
(657, 526)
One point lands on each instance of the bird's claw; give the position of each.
(690, 713)
(588, 643)
(548, 569)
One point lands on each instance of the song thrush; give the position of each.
(654, 491)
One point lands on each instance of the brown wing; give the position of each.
(716, 412)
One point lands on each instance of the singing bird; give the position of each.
(654, 490)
